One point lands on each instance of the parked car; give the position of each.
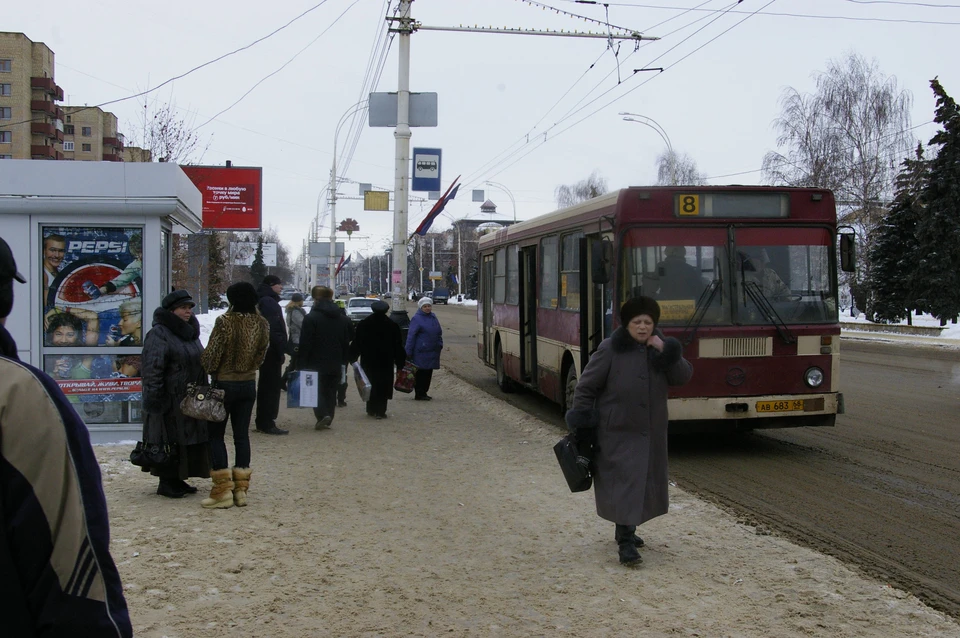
(358, 308)
(440, 295)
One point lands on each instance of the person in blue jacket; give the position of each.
(57, 577)
(424, 343)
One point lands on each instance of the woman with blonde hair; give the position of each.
(234, 352)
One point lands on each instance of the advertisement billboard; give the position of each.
(242, 253)
(231, 196)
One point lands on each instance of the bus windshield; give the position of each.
(787, 271)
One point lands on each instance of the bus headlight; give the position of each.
(813, 377)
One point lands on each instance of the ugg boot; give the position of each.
(241, 483)
(221, 494)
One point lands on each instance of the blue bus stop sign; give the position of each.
(426, 169)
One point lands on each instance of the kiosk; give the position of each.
(94, 241)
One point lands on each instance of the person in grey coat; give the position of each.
(619, 416)
(170, 360)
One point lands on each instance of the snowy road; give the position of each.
(880, 491)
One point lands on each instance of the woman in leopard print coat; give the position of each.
(235, 350)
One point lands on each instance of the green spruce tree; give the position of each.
(894, 252)
(258, 270)
(217, 277)
(938, 232)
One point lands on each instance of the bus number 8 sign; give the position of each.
(689, 205)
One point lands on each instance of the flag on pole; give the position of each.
(343, 262)
(437, 209)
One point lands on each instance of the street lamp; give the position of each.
(359, 106)
(652, 123)
(509, 194)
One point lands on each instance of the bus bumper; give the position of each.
(756, 412)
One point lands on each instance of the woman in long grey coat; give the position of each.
(171, 360)
(619, 415)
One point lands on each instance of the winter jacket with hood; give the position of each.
(58, 576)
(324, 340)
(269, 306)
(623, 393)
(425, 340)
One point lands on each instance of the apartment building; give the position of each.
(90, 134)
(31, 122)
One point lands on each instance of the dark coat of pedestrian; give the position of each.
(235, 350)
(379, 347)
(325, 348)
(620, 413)
(170, 360)
(424, 344)
(271, 370)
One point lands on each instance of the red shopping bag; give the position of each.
(405, 378)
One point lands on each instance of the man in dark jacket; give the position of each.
(268, 387)
(324, 347)
(57, 577)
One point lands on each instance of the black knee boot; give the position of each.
(626, 545)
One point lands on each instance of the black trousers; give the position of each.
(268, 394)
(421, 382)
(238, 400)
(327, 396)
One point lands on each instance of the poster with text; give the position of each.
(91, 286)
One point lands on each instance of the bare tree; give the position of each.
(848, 136)
(593, 186)
(164, 136)
(675, 169)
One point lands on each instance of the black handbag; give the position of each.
(575, 466)
(160, 456)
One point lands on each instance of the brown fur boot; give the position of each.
(221, 495)
(241, 483)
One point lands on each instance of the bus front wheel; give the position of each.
(503, 381)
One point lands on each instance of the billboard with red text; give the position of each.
(231, 196)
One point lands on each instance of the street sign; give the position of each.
(376, 200)
(426, 169)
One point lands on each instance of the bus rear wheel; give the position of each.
(503, 381)
(569, 387)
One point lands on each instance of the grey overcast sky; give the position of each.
(527, 112)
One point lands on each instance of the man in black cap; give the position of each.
(56, 574)
(271, 371)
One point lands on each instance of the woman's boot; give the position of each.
(241, 483)
(221, 494)
(625, 535)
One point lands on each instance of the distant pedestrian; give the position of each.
(271, 371)
(235, 350)
(379, 347)
(619, 416)
(295, 316)
(169, 361)
(56, 573)
(324, 347)
(424, 344)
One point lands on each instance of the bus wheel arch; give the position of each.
(503, 381)
(569, 378)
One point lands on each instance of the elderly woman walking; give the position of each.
(424, 343)
(234, 352)
(619, 416)
(170, 360)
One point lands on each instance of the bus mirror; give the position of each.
(848, 252)
(601, 256)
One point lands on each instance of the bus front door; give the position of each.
(486, 299)
(528, 315)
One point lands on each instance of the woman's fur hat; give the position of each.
(639, 306)
(242, 297)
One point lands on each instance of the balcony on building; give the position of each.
(45, 152)
(115, 142)
(48, 86)
(112, 157)
(45, 106)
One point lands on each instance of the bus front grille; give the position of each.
(736, 347)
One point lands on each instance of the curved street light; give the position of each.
(359, 106)
(646, 120)
(509, 194)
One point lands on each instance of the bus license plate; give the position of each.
(793, 405)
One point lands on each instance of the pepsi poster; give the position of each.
(92, 286)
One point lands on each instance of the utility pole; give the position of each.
(398, 277)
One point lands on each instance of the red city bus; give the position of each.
(746, 278)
